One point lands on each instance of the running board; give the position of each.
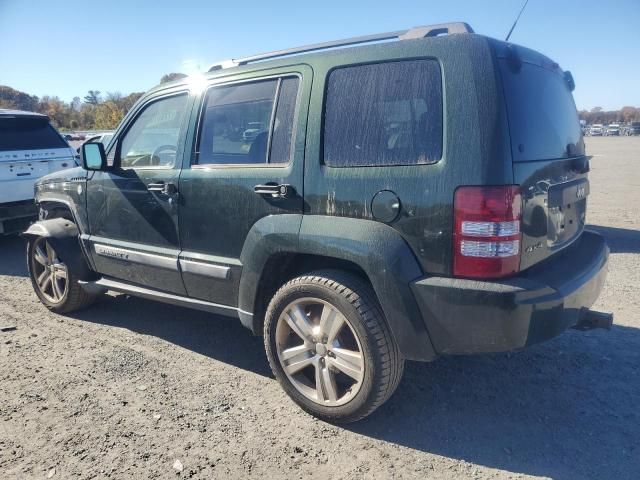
(103, 285)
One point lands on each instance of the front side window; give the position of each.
(248, 123)
(384, 114)
(152, 140)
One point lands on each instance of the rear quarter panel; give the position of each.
(475, 146)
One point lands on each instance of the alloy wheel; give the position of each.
(49, 273)
(320, 352)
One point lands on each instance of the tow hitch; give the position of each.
(590, 319)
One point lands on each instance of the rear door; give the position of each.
(549, 161)
(133, 207)
(246, 164)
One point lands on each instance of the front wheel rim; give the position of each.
(320, 352)
(50, 275)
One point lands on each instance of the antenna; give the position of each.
(516, 22)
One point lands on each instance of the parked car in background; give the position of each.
(361, 227)
(612, 130)
(252, 131)
(29, 149)
(103, 138)
(630, 129)
(596, 130)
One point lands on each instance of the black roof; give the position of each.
(4, 112)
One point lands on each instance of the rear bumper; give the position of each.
(15, 217)
(467, 316)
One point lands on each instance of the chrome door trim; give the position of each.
(204, 269)
(133, 256)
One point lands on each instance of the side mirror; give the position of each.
(93, 157)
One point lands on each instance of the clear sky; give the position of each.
(65, 48)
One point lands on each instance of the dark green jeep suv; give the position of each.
(360, 206)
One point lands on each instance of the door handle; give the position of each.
(275, 190)
(168, 188)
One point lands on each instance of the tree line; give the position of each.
(598, 115)
(104, 112)
(94, 111)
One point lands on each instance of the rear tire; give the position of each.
(54, 283)
(328, 330)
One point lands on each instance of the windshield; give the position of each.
(28, 134)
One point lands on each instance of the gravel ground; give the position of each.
(134, 389)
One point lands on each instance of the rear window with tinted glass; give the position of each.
(249, 123)
(543, 120)
(20, 133)
(384, 114)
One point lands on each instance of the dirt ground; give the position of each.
(127, 387)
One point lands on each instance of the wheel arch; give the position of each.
(372, 250)
(61, 209)
(71, 207)
(64, 236)
(286, 266)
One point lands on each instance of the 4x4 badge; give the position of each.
(531, 248)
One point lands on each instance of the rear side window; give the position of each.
(384, 114)
(248, 123)
(543, 121)
(21, 133)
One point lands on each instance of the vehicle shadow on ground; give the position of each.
(12, 256)
(620, 240)
(566, 409)
(215, 336)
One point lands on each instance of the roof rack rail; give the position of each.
(410, 34)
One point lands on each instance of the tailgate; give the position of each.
(547, 151)
(17, 179)
(23, 170)
(554, 205)
(20, 169)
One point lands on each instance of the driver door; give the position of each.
(133, 207)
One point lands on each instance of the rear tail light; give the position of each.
(486, 236)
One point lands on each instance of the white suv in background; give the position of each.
(613, 129)
(596, 130)
(29, 149)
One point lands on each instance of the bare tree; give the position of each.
(92, 97)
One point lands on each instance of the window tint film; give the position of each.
(152, 140)
(384, 114)
(28, 134)
(236, 122)
(543, 120)
(284, 122)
